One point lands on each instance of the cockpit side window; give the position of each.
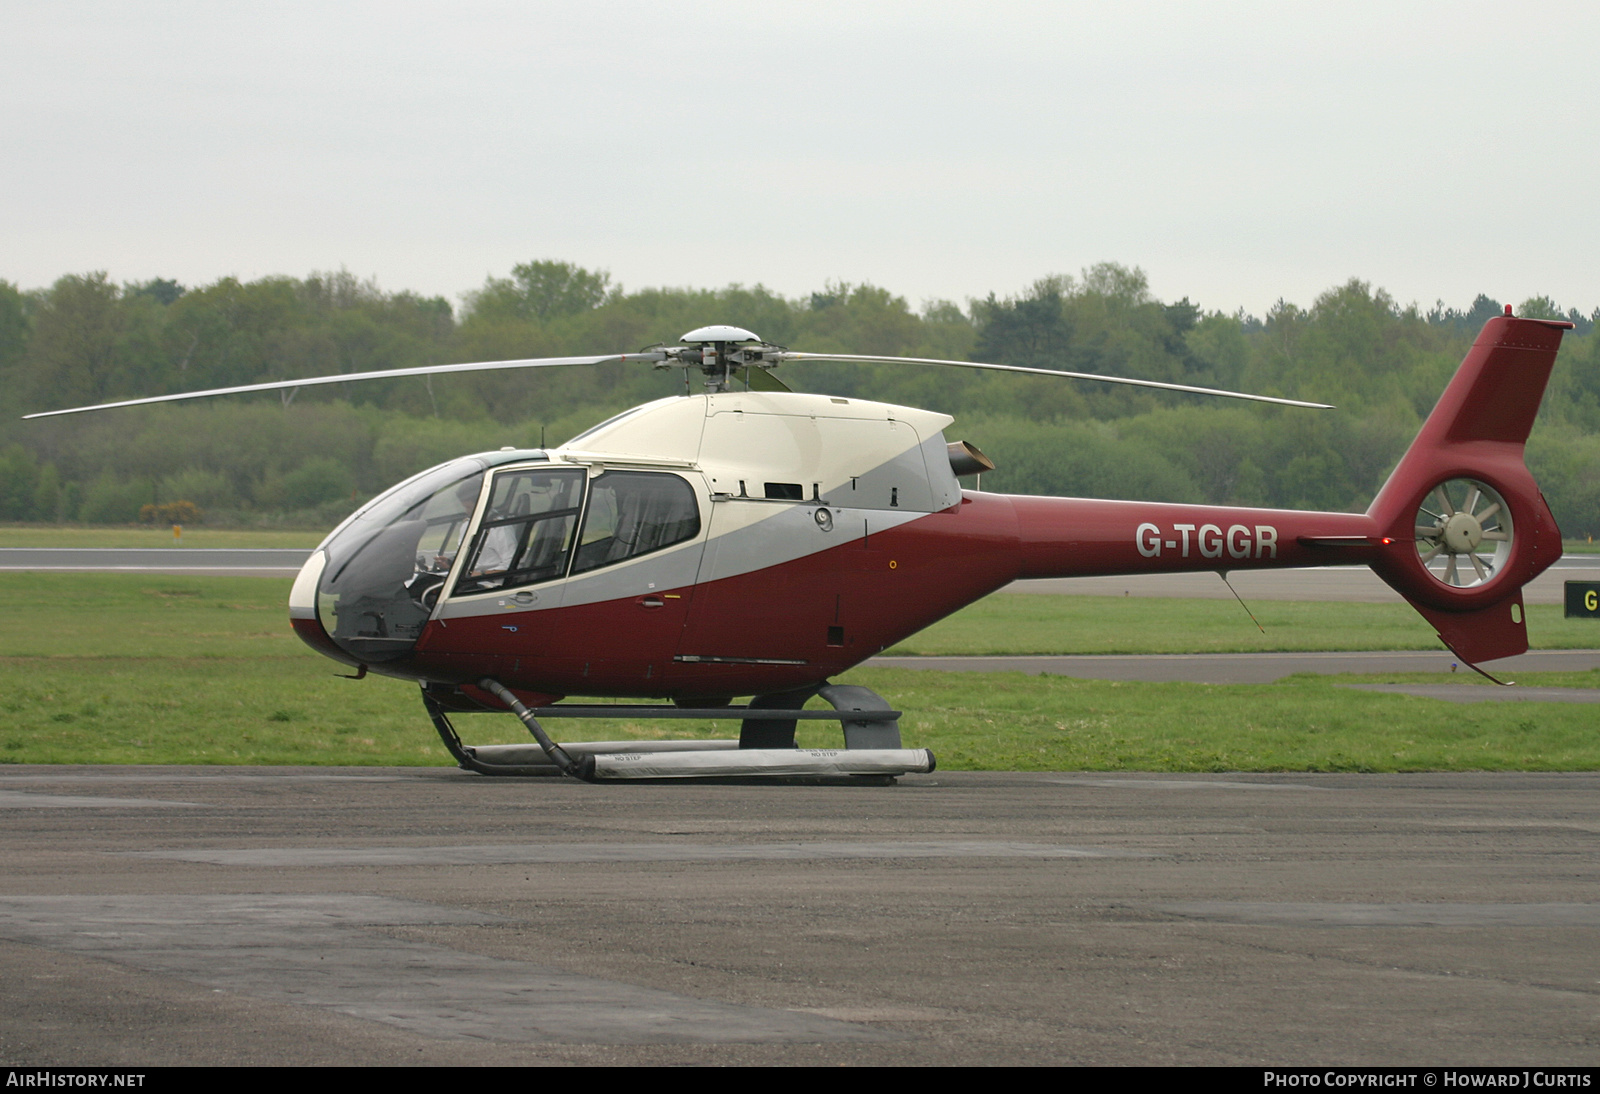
(632, 513)
(527, 530)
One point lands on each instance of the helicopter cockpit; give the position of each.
(383, 572)
(384, 568)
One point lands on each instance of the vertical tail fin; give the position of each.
(1464, 526)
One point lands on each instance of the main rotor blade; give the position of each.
(787, 355)
(386, 374)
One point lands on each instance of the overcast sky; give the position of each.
(1237, 152)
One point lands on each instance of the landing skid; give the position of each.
(765, 748)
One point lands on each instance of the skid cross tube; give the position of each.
(866, 719)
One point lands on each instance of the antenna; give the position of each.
(1223, 574)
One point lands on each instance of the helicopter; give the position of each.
(755, 541)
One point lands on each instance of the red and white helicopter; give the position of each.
(753, 541)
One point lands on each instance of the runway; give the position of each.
(425, 916)
(1323, 583)
(234, 561)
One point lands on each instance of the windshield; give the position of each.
(388, 562)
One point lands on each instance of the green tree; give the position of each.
(19, 481)
(89, 345)
(1540, 307)
(316, 481)
(538, 292)
(13, 327)
(1030, 330)
(162, 290)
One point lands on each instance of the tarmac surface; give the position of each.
(156, 916)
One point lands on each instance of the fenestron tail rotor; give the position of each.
(1464, 533)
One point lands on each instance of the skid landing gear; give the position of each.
(765, 747)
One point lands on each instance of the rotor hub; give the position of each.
(722, 354)
(718, 333)
(1464, 534)
(1461, 533)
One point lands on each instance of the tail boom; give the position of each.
(1462, 492)
(1082, 537)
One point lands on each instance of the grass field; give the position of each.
(114, 668)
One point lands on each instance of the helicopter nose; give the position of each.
(303, 611)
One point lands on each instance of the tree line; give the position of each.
(310, 456)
